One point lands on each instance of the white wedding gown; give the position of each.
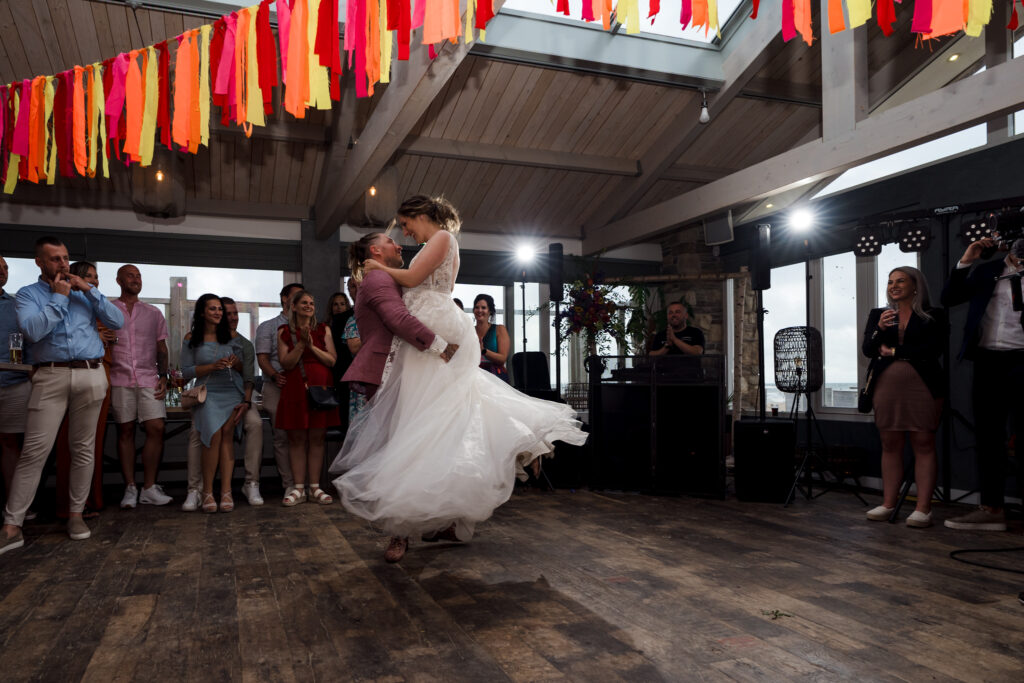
(438, 444)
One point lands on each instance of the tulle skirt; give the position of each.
(439, 443)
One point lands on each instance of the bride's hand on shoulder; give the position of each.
(369, 264)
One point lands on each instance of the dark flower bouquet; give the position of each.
(589, 309)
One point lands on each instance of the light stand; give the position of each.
(525, 365)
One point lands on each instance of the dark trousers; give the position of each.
(997, 399)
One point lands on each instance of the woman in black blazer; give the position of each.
(904, 343)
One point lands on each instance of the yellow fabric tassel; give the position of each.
(979, 13)
(386, 43)
(470, 8)
(713, 18)
(319, 77)
(147, 138)
(101, 127)
(204, 85)
(51, 159)
(96, 86)
(14, 159)
(859, 11)
(253, 93)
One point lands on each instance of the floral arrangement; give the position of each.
(590, 309)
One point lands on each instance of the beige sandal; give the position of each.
(294, 496)
(320, 495)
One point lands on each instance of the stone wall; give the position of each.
(684, 253)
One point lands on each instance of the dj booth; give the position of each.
(657, 423)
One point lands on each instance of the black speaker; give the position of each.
(761, 264)
(555, 270)
(763, 459)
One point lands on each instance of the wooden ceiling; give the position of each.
(517, 147)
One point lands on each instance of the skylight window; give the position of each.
(665, 24)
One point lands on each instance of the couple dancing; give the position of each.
(435, 449)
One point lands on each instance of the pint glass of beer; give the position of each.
(14, 343)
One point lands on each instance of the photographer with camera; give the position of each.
(994, 341)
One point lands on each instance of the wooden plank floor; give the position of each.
(567, 586)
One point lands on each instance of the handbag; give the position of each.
(320, 398)
(196, 396)
(866, 397)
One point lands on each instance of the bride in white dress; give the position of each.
(438, 444)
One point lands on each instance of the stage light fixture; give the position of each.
(980, 227)
(869, 241)
(914, 236)
(801, 219)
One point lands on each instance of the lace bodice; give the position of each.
(443, 277)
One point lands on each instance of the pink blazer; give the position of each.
(380, 316)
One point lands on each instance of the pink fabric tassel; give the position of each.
(284, 22)
(686, 13)
(922, 22)
(20, 144)
(418, 13)
(225, 83)
(115, 98)
(788, 21)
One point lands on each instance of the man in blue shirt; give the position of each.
(58, 315)
(14, 389)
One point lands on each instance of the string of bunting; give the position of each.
(74, 122)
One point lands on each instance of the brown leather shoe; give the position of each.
(446, 535)
(396, 549)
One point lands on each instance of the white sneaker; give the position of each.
(131, 497)
(192, 501)
(154, 495)
(251, 489)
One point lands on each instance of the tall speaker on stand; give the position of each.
(762, 447)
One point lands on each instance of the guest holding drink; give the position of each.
(494, 340)
(14, 386)
(214, 358)
(904, 342)
(306, 352)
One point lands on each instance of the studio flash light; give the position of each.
(869, 241)
(979, 227)
(914, 236)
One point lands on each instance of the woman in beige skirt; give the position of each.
(904, 342)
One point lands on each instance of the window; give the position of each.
(840, 333)
(786, 306)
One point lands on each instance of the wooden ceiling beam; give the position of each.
(518, 156)
(414, 86)
(775, 90)
(748, 50)
(688, 173)
(983, 96)
(285, 131)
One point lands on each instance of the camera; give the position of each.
(1005, 228)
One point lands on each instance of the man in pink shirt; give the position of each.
(138, 380)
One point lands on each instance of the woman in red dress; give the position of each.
(306, 351)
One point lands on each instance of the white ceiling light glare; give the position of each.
(980, 227)
(525, 253)
(801, 219)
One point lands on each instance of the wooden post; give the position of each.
(177, 325)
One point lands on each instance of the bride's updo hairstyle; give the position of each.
(437, 209)
(358, 252)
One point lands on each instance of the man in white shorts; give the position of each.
(14, 390)
(138, 380)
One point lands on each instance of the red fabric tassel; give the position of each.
(563, 7)
(62, 125)
(266, 52)
(163, 110)
(393, 12)
(1013, 17)
(757, 5)
(886, 16)
(484, 13)
(405, 27)
(655, 8)
(788, 21)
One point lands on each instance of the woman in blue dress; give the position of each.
(209, 354)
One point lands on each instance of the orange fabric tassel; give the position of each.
(91, 134)
(836, 22)
(802, 19)
(194, 133)
(135, 98)
(78, 122)
(700, 13)
(182, 94)
(296, 92)
(373, 42)
(35, 128)
(948, 16)
(241, 43)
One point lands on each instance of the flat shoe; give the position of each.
(880, 513)
(919, 520)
